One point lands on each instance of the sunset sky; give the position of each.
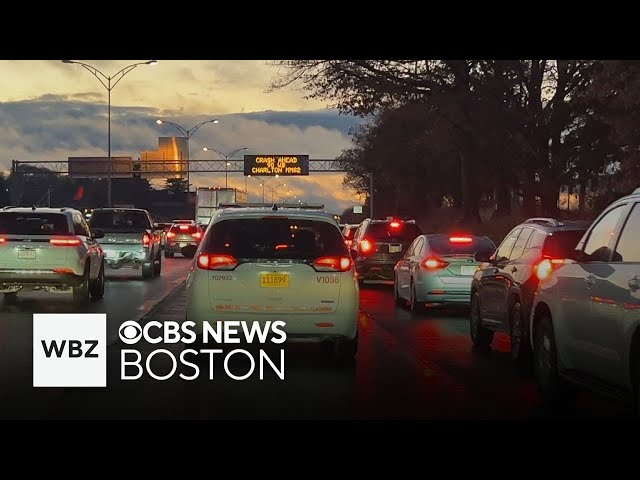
(50, 111)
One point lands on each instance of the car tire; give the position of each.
(11, 298)
(553, 389)
(414, 305)
(157, 265)
(400, 302)
(81, 292)
(96, 287)
(481, 336)
(344, 349)
(520, 345)
(147, 270)
(168, 254)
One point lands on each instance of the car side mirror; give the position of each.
(578, 256)
(97, 234)
(483, 257)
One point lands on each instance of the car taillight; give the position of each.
(212, 261)
(546, 266)
(197, 235)
(2, 240)
(171, 234)
(146, 239)
(394, 224)
(460, 239)
(366, 246)
(433, 263)
(65, 242)
(332, 264)
(184, 227)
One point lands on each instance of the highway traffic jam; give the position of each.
(566, 294)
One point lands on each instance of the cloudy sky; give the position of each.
(50, 111)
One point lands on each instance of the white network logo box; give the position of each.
(69, 350)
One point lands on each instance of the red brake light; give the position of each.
(171, 234)
(546, 266)
(2, 240)
(366, 246)
(460, 239)
(212, 261)
(394, 224)
(65, 242)
(197, 235)
(433, 263)
(146, 239)
(333, 264)
(184, 227)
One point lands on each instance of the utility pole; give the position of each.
(371, 195)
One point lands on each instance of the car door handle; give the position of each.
(590, 281)
(634, 283)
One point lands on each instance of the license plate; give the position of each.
(278, 280)
(469, 270)
(183, 244)
(27, 254)
(395, 248)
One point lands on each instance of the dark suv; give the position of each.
(502, 290)
(379, 244)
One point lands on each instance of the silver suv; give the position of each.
(49, 249)
(585, 323)
(131, 239)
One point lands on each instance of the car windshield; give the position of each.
(14, 223)
(184, 229)
(460, 245)
(119, 220)
(386, 232)
(276, 238)
(562, 242)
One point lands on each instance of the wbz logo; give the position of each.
(69, 350)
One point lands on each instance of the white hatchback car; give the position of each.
(49, 249)
(289, 264)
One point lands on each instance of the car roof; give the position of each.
(118, 209)
(284, 212)
(39, 210)
(552, 225)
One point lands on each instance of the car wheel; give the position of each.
(81, 292)
(345, 349)
(96, 287)
(414, 305)
(168, 254)
(520, 345)
(11, 298)
(147, 270)
(157, 265)
(481, 336)
(552, 388)
(400, 302)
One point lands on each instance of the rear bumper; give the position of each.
(177, 247)
(371, 269)
(431, 289)
(37, 278)
(117, 258)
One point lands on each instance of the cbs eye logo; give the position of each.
(130, 332)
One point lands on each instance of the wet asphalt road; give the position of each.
(408, 367)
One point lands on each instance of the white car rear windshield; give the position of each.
(14, 223)
(275, 238)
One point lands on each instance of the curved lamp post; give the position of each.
(109, 82)
(187, 134)
(227, 164)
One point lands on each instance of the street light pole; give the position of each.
(227, 164)
(187, 134)
(109, 86)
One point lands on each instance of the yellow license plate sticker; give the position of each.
(274, 280)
